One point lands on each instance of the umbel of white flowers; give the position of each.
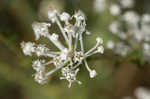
(69, 57)
(134, 33)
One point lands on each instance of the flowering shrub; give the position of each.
(69, 57)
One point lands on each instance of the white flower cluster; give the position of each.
(69, 57)
(127, 3)
(131, 28)
(99, 5)
(142, 93)
(119, 48)
(115, 8)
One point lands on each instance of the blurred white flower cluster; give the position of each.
(99, 5)
(139, 93)
(71, 54)
(115, 8)
(142, 93)
(132, 29)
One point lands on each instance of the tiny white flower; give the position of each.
(70, 75)
(146, 18)
(40, 29)
(110, 45)
(70, 29)
(64, 54)
(115, 9)
(146, 46)
(138, 36)
(127, 3)
(52, 15)
(78, 57)
(57, 61)
(40, 78)
(88, 32)
(100, 5)
(38, 65)
(131, 17)
(93, 73)
(100, 49)
(99, 40)
(28, 48)
(41, 50)
(114, 27)
(79, 15)
(146, 49)
(54, 37)
(65, 17)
